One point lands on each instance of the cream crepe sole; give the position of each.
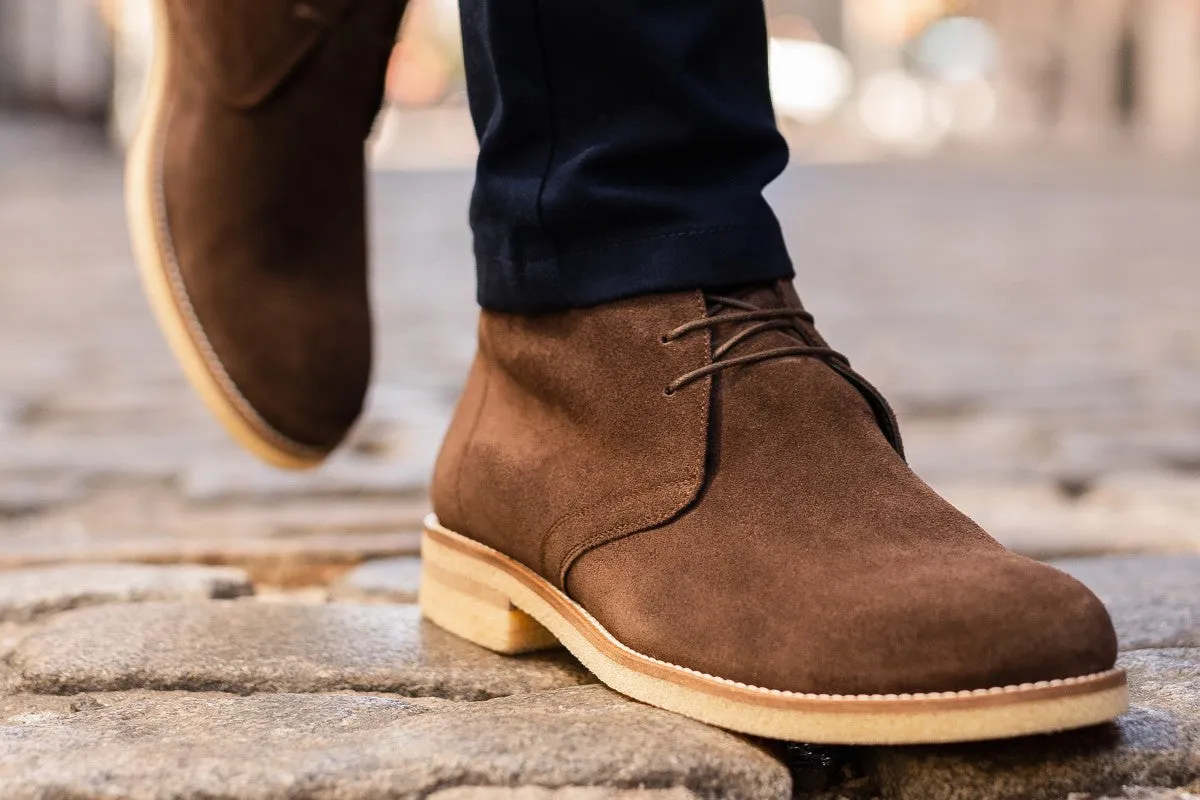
(164, 288)
(486, 597)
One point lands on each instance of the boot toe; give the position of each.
(957, 622)
(987, 621)
(305, 381)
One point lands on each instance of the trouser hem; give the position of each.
(667, 261)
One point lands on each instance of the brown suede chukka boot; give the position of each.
(245, 193)
(711, 510)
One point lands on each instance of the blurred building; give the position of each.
(55, 55)
(1083, 70)
(906, 75)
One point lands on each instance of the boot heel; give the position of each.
(452, 599)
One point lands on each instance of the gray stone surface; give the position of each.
(297, 541)
(1034, 374)
(570, 793)
(10, 634)
(23, 708)
(393, 580)
(27, 594)
(1143, 793)
(1156, 744)
(244, 647)
(293, 560)
(347, 747)
(1047, 382)
(1154, 600)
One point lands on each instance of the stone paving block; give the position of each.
(1154, 600)
(1142, 793)
(288, 560)
(22, 709)
(220, 478)
(27, 594)
(11, 411)
(1040, 521)
(393, 580)
(569, 793)
(10, 634)
(139, 507)
(1156, 744)
(300, 542)
(243, 647)
(351, 747)
(28, 492)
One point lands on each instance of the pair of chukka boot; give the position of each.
(690, 491)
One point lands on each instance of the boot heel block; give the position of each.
(491, 600)
(451, 599)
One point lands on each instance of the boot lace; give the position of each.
(732, 311)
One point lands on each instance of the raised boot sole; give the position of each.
(164, 286)
(482, 595)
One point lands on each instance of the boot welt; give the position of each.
(164, 287)
(482, 595)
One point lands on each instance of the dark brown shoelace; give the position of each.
(765, 319)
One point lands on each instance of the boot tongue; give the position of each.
(764, 296)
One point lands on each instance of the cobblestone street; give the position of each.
(177, 621)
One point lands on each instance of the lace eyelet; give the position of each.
(665, 339)
(669, 392)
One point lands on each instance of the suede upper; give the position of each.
(554, 420)
(757, 524)
(261, 195)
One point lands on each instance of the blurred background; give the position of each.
(851, 78)
(993, 208)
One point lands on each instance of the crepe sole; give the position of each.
(490, 599)
(164, 287)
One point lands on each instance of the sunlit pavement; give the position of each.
(1033, 321)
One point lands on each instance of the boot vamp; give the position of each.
(816, 561)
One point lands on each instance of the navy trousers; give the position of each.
(624, 147)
